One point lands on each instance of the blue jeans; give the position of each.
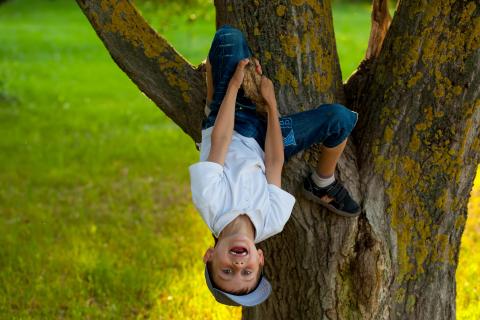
(228, 48)
(329, 124)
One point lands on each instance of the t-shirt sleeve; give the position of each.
(280, 209)
(208, 185)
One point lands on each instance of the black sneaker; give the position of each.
(342, 202)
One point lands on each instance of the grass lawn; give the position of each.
(94, 195)
(95, 213)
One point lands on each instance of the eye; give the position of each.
(247, 272)
(227, 271)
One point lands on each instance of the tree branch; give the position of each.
(380, 22)
(174, 85)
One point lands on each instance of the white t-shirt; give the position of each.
(222, 193)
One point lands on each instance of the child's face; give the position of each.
(235, 264)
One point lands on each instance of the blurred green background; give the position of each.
(95, 213)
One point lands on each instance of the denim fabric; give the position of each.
(228, 48)
(329, 124)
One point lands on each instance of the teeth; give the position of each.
(243, 253)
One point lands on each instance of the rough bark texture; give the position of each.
(150, 61)
(419, 138)
(380, 22)
(417, 145)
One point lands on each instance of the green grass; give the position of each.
(352, 30)
(468, 290)
(95, 212)
(94, 195)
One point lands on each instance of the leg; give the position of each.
(328, 159)
(229, 46)
(329, 125)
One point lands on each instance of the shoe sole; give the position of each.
(309, 195)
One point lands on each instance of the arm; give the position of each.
(274, 156)
(209, 80)
(223, 128)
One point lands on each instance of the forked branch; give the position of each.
(174, 85)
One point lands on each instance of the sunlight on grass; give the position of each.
(96, 220)
(185, 296)
(468, 288)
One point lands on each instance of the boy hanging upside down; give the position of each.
(236, 186)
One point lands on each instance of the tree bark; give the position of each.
(150, 61)
(416, 144)
(380, 22)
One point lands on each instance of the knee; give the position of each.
(343, 117)
(231, 33)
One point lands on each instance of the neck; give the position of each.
(240, 225)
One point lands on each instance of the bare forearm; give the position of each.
(274, 156)
(226, 114)
(223, 128)
(209, 81)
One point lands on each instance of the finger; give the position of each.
(243, 63)
(258, 67)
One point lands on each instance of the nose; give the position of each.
(238, 262)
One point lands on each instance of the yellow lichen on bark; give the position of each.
(409, 217)
(323, 61)
(422, 145)
(308, 47)
(298, 2)
(414, 143)
(281, 9)
(408, 181)
(289, 44)
(438, 44)
(413, 80)
(314, 4)
(388, 134)
(405, 64)
(285, 76)
(126, 22)
(267, 55)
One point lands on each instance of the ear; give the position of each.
(208, 255)
(261, 258)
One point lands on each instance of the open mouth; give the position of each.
(239, 251)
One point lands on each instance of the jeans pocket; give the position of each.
(288, 134)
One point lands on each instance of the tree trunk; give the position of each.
(416, 144)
